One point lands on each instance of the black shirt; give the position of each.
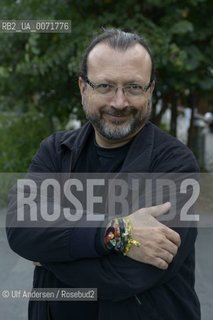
(93, 159)
(97, 159)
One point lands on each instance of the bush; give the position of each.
(20, 138)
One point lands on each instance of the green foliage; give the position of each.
(20, 138)
(7, 181)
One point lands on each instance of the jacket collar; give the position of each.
(77, 139)
(138, 157)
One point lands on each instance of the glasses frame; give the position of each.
(94, 85)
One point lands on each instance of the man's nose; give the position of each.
(119, 100)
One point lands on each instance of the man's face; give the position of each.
(121, 115)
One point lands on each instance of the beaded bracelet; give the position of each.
(118, 236)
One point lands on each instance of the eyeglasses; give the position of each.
(109, 90)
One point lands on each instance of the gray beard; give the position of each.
(118, 131)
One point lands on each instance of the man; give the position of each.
(141, 268)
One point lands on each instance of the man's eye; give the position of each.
(104, 86)
(135, 86)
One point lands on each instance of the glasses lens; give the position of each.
(134, 90)
(109, 90)
(105, 88)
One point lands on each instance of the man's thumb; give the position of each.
(159, 210)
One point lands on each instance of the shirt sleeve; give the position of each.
(50, 244)
(118, 277)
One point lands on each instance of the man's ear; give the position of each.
(152, 87)
(82, 85)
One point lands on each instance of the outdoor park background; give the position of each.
(39, 71)
(39, 94)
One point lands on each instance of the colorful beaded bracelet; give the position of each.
(118, 236)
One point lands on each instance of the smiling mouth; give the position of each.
(117, 116)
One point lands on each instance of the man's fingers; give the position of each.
(171, 248)
(159, 243)
(163, 260)
(159, 263)
(173, 236)
(166, 256)
(158, 210)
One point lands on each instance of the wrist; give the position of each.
(118, 236)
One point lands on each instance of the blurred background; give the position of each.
(39, 71)
(39, 95)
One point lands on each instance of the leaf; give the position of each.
(182, 27)
(206, 84)
(194, 58)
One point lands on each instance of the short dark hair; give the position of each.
(116, 39)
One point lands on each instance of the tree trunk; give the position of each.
(156, 118)
(191, 132)
(173, 124)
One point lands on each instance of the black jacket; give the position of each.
(126, 289)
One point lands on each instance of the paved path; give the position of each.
(209, 152)
(204, 274)
(16, 272)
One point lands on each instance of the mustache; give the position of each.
(119, 112)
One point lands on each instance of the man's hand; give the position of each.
(159, 244)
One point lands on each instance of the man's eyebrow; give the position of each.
(129, 81)
(103, 80)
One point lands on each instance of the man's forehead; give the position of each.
(104, 51)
